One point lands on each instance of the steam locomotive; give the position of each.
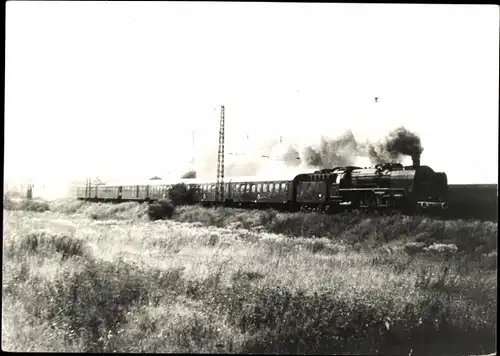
(389, 185)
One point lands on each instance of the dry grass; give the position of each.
(74, 282)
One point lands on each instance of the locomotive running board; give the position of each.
(372, 189)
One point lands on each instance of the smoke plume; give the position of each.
(340, 151)
(274, 158)
(397, 144)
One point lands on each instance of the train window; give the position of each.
(259, 187)
(213, 188)
(283, 187)
(271, 187)
(277, 187)
(253, 188)
(237, 188)
(264, 187)
(243, 186)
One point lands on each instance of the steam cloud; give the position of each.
(270, 157)
(329, 153)
(400, 142)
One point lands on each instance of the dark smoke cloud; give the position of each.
(397, 144)
(270, 157)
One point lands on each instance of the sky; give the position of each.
(115, 89)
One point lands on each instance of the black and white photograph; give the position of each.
(250, 178)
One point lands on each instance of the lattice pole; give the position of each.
(219, 188)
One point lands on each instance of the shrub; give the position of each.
(35, 205)
(179, 194)
(161, 209)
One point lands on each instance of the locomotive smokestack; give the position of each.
(416, 161)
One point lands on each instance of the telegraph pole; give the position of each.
(219, 188)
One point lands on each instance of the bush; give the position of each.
(180, 194)
(161, 209)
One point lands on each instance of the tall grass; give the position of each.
(355, 228)
(75, 283)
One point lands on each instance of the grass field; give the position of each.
(102, 278)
